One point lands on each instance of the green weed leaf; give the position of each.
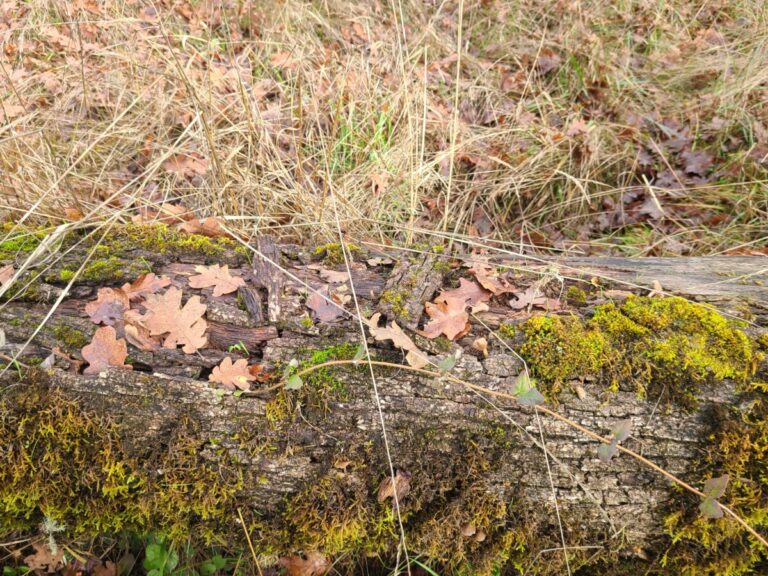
(710, 508)
(359, 355)
(294, 382)
(606, 452)
(715, 487)
(446, 364)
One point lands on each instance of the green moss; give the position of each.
(306, 322)
(324, 382)
(507, 330)
(332, 253)
(576, 296)
(67, 464)
(65, 275)
(69, 338)
(396, 301)
(21, 240)
(653, 344)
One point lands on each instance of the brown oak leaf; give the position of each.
(166, 317)
(44, 559)
(165, 214)
(189, 165)
(105, 350)
(109, 306)
(448, 317)
(468, 291)
(144, 285)
(315, 564)
(322, 309)
(400, 485)
(6, 273)
(489, 280)
(413, 356)
(211, 227)
(138, 335)
(232, 375)
(697, 163)
(533, 297)
(217, 276)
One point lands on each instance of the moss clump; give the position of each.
(21, 240)
(332, 253)
(653, 344)
(62, 462)
(738, 448)
(69, 338)
(507, 330)
(396, 301)
(323, 382)
(576, 296)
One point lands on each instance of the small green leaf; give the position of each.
(606, 452)
(446, 364)
(622, 430)
(359, 355)
(294, 383)
(710, 508)
(531, 398)
(715, 487)
(522, 385)
(237, 393)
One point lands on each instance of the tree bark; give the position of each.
(458, 446)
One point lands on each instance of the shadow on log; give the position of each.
(160, 448)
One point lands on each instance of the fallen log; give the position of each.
(482, 482)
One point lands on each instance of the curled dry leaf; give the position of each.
(448, 317)
(488, 278)
(413, 356)
(211, 227)
(400, 486)
(6, 273)
(144, 285)
(105, 350)
(166, 317)
(533, 297)
(315, 564)
(109, 306)
(469, 291)
(232, 375)
(188, 165)
(43, 559)
(217, 277)
(322, 308)
(164, 214)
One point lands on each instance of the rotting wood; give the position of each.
(453, 442)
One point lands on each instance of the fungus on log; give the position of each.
(161, 447)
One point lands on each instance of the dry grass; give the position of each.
(283, 103)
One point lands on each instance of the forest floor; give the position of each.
(633, 128)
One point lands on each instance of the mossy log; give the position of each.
(160, 448)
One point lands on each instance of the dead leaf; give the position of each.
(577, 128)
(258, 371)
(217, 276)
(109, 306)
(697, 163)
(533, 297)
(166, 317)
(414, 356)
(322, 309)
(105, 350)
(144, 285)
(481, 345)
(489, 280)
(315, 564)
(73, 214)
(378, 261)
(334, 276)
(186, 165)
(400, 486)
(43, 558)
(547, 61)
(211, 227)
(9, 111)
(165, 214)
(138, 336)
(6, 273)
(448, 317)
(106, 569)
(232, 376)
(469, 291)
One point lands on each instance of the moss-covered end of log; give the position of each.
(654, 345)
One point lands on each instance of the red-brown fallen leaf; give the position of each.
(315, 564)
(532, 297)
(547, 61)
(188, 165)
(322, 309)
(401, 485)
(73, 214)
(105, 350)
(106, 569)
(577, 128)
(697, 163)
(489, 280)
(258, 372)
(109, 306)
(469, 291)
(232, 376)
(139, 336)
(6, 273)
(44, 559)
(211, 227)
(217, 276)
(413, 356)
(144, 285)
(448, 317)
(166, 317)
